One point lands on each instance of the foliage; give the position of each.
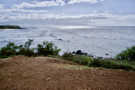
(128, 54)
(11, 49)
(126, 58)
(47, 48)
(93, 62)
(68, 56)
(113, 64)
(25, 49)
(80, 59)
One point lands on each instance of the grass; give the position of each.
(112, 64)
(75, 67)
(92, 62)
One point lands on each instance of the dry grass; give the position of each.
(44, 73)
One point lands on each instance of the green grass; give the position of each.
(75, 67)
(112, 64)
(81, 59)
(92, 62)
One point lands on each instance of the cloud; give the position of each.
(21, 11)
(40, 4)
(50, 3)
(99, 19)
(80, 1)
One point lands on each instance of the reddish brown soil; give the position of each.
(44, 73)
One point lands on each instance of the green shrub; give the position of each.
(128, 54)
(91, 62)
(80, 59)
(112, 64)
(47, 48)
(68, 56)
(25, 49)
(9, 50)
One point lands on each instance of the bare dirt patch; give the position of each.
(44, 73)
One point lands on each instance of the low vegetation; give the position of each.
(94, 62)
(128, 54)
(124, 60)
(10, 27)
(45, 49)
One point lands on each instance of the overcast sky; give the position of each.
(12, 9)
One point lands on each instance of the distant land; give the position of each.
(10, 27)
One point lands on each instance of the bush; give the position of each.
(25, 49)
(9, 50)
(68, 56)
(128, 54)
(93, 62)
(47, 48)
(80, 59)
(113, 64)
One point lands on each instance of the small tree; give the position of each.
(47, 48)
(9, 50)
(128, 54)
(25, 49)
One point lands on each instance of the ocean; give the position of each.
(72, 35)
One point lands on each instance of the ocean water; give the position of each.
(72, 36)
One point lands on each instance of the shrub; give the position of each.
(25, 49)
(47, 48)
(128, 54)
(68, 56)
(80, 59)
(9, 50)
(113, 64)
(94, 62)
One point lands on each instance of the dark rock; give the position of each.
(90, 55)
(79, 52)
(60, 39)
(107, 54)
(99, 57)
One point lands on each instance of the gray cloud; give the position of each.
(47, 3)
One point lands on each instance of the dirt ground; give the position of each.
(44, 73)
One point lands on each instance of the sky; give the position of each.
(115, 10)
